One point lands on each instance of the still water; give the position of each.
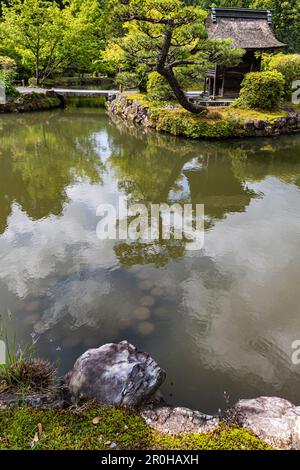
(219, 319)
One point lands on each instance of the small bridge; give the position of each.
(66, 92)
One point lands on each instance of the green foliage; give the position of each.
(22, 372)
(158, 88)
(224, 438)
(7, 75)
(47, 39)
(288, 65)
(71, 430)
(180, 122)
(286, 18)
(8, 64)
(187, 54)
(261, 90)
(7, 81)
(128, 80)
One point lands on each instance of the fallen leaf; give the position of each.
(35, 440)
(107, 443)
(40, 429)
(96, 420)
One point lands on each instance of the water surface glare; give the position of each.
(219, 319)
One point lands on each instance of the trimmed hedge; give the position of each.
(288, 65)
(261, 90)
(181, 122)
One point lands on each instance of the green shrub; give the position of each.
(158, 88)
(8, 65)
(261, 90)
(181, 122)
(7, 81)
(32, 82)
(7, 75)
(288, 65)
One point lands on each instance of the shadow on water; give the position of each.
(219, 319)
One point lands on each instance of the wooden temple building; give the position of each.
(250, 30)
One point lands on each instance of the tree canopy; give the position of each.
(170, 38)
(46, 39)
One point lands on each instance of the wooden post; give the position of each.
(223, 82)
(215, 84)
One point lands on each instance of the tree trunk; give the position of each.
(168, 74)
(37, 75)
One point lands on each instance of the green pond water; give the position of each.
(219, 319)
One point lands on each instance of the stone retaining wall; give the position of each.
(133, 112)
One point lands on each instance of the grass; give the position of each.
(22, 372)
(113, 428)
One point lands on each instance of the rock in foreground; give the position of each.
(275, 420)
(115, 374)
(179, 420)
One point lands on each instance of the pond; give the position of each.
(219, 319)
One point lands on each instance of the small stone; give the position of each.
(147, 301)
(96, 420)
(176, 421)
(141, 313)
(146, 328)
(145, 285)
(156, 291)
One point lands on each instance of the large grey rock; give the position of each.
(115, 374)
(275, 420)
(175, 421)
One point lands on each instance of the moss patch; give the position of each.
(181, 122)
(213, 123)
(113, 429)
(251, 115)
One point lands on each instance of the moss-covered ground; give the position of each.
(217, 123)
(105, 428)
